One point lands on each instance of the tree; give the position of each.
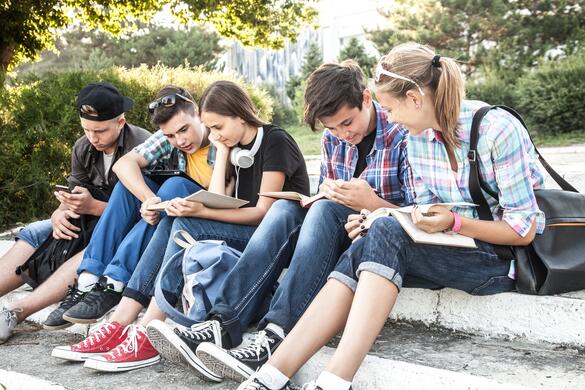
(29, 26)
(79, 49)
(311, 61)
(456, 28)
(354, 50)
(508, 35)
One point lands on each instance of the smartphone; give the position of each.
(59, 187)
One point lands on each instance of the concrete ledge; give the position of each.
(380, 373)
(553, 319)
(15, 381)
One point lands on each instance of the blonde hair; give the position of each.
(441, 77)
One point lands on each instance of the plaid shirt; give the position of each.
(387, 169)
(157, 149)
(507, 164)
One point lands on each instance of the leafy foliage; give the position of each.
(79, 49)
(29, 26)
(311, 61)
(508, 35)
(39, 124)
(354, 50)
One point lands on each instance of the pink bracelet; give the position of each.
(456, 222)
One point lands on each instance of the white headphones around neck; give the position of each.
(245, 158)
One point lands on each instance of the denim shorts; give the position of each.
(389, 252)
(35, 233)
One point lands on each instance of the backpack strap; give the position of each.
(186, 241)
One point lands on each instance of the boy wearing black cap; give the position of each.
(107, 137)
(121, 236)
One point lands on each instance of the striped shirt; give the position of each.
(387, 169)
(507, 164)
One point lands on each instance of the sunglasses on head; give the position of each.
(167, 101)
(381, 71)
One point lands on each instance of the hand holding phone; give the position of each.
(62, 188)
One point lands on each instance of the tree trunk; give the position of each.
(6, 54)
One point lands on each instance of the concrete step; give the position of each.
(413, 356)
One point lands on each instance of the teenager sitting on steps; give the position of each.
(107, 138)
(121, 234)
(364, 165)
(277, 164)
(425, 92)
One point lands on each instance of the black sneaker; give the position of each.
(179, 346)
(94, 305)
(239, 364)
(253, 383)
(55, 319)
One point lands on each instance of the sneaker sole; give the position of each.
(66, 354)
(102, 365)
(221, 362)
(87, 321)
(173, 349)
(57, 327)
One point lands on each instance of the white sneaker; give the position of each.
(8, 322)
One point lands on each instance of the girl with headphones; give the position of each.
(424, 92)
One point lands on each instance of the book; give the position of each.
(209, 199)
(402, 215)
(304, 200)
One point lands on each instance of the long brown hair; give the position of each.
(229, 99)
(439, 76)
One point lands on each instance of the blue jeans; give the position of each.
(121, 235)
(35, 233)
(309, 243)
(162, 248)
(389, 252)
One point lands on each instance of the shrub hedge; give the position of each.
(39, 124)
(550, 98)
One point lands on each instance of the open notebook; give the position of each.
(209, 199)
(304, 200)
(403, 217)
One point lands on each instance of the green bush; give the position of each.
(493, 89)
(39, 124)
(553, 96)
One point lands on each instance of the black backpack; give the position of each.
(52, 253)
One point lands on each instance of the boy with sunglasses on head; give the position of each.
(127, 225)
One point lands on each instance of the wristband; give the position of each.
(456, 228)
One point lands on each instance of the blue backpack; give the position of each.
(204, 266)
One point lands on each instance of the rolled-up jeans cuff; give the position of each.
(138, 296)
(381, 270)
(343, 278)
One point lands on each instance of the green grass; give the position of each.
(562, 139)
(309, 142)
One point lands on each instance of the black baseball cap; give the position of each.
(102, 101)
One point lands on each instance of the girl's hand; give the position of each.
(438, 219)
(220, 146)
(180, 207)
(354, 226)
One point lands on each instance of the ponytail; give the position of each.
(420, 66)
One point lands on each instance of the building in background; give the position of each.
(339, 21)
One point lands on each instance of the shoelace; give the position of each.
(130, 343)
(200, 332)
(102, 330)
(252, 384)
(10, 314)
(73, 296)
(262, 341)
(310, 386)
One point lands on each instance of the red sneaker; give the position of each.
(134, 352)
(102, 339)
